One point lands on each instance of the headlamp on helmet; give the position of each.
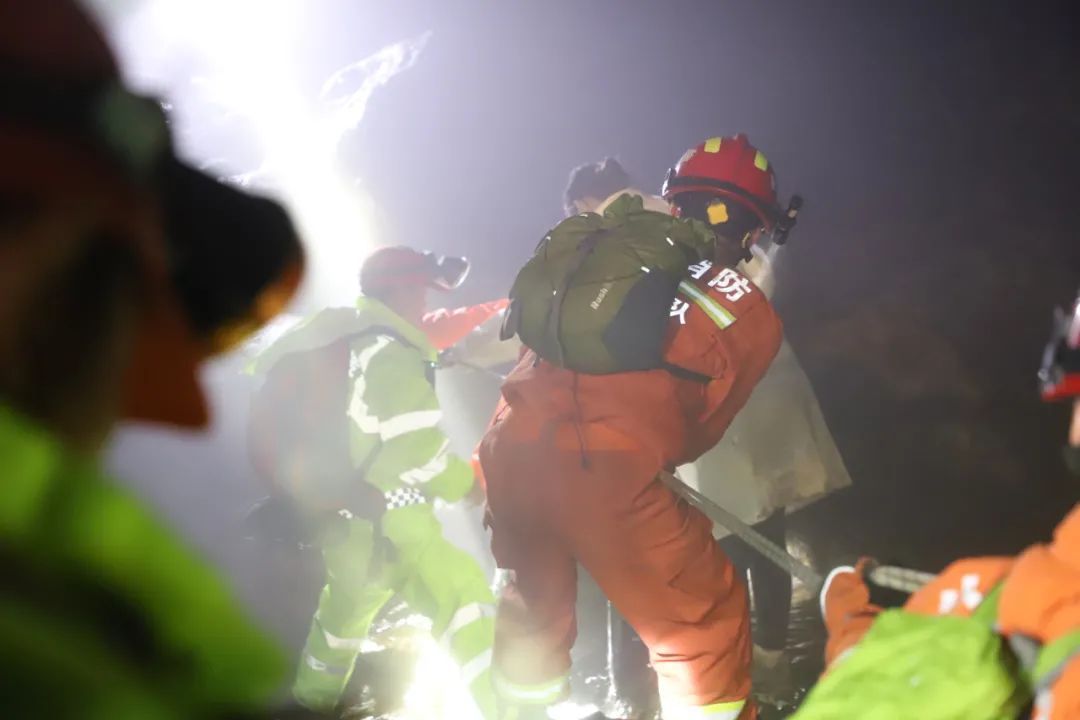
(448, 272)
(1059, 376)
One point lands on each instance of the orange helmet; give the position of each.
(219, 262)
(730, 167)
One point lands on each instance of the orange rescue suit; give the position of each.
(1040, 599)
(571, 462)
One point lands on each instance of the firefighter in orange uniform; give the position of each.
(571, 465)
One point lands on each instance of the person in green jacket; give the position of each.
(120, 270)
(347, 426)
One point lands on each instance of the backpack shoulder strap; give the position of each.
(1042, 664)
(554, 319)
(987, 610)
(1053, 658)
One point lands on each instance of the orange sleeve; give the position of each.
(1042, 598)
(729, 336)
(850, 633)
(445, 328)
(500, 408)
(846, 609)
(960, 587)
(1062, 701)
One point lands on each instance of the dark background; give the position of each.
(937, 145)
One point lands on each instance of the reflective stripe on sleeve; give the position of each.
(710, 307)
(539, 694)
(476, 667)
(335, 642)
(320, 667)
(466, 615)
(716, 711)
(426, 472)
(408, 422)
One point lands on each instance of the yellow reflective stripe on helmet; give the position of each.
(710, 307)
(713, 144)
(717, 711)
(760, 162)
(717, 213)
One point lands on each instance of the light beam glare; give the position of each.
(437, 689)
(245, 51)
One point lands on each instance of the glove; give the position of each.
(844, 594)
(846, 608)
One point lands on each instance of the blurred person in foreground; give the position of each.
(346, 431)
(990, 637)
(121, 269)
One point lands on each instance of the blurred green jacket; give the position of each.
(104, 612)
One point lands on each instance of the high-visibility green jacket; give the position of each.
(104, 612)
(391, 413)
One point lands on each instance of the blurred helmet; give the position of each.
(220, 262)
(729, 167)
(399, 266)
(1059, 376)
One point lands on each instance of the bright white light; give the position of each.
(251, 77)
(571, 711)
(437, 689)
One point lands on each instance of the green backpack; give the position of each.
(596, 295)
(937, 667)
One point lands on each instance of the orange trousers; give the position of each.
(551, 506)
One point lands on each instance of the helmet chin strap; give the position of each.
(729, 251)
(746, 244)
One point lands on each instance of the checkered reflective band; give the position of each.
(403, 497)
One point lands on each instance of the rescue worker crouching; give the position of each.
(571, 466)
(347, 424)
(121, 269)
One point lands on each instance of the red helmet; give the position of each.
(731, 167)
(1059, 377)
(401, 266)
